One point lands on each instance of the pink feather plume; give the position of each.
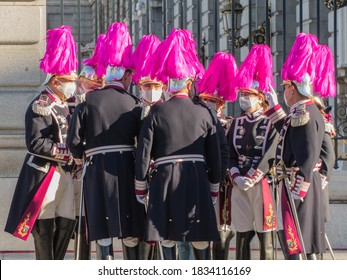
(257, 66)
(142, 56)
(60, 56)
(300, 59)
(117, 51)
(176, 58)
(94, 60)
(220, 77)
(324, 83)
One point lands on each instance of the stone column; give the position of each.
(22, 45)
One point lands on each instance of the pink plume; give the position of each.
(117, 51)
(93, 61)
(60, 57)
(300, 59)
(176, 58)
(256, 67)
(141, 56)
(220, 77)
(324, 83)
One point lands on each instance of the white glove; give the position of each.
(271, 97)
(243, 183)
(297, 197)
(142, 198)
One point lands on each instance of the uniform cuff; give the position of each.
(275, 114)
(255, 174)
(300, 187)
(214, 188)
(234, 172)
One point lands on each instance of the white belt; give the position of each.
(109, 149)
(49, 158)
(179, 158)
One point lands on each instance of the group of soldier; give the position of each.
(168, 169)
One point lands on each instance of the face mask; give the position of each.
(247, 103)
(68, 89)
(151, 95)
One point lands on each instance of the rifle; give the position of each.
(286, 182)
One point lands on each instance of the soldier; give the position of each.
(252, 142)
(217, 86)
(181, 139)
(324, 86)
(89, 79)
(43, 202)
(151, 91)
(103, 131)
(298, 154)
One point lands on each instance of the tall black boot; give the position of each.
(266, 245)
(282, 241)
(243, 245)
(221, 248)
(147, 250)
(82, 247)
(43, 232)
(169, 253)
(295, 257)
(63, 231)
(104, 252)
(202, 254)
(312, 256)
(131, 253)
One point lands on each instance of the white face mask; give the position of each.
(68, 89)
(247, 103)
(151, 95)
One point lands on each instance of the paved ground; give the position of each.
(340, 254)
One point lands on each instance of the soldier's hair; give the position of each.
(264, 102)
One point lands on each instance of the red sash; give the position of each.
(293, 245)
(28, 219)
(270, 219)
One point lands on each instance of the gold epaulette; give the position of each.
(300, 117)
(42, 106)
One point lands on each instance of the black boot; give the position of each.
(221, 248)
(169, 253)
(104, 252)
(43, 232)
(243, 245)
(295, 257)
(63, 231)
(82, 247)
(312, 256)
(266, 245)
(147, 250)
(131, 253)
(202, 254)
(282, 241)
